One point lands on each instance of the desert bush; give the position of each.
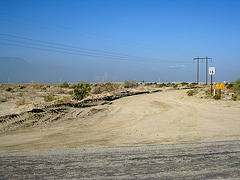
(175, 86)
(98, 89)
(208, 92)
(148, 84)
(49, 98)
(104, 87)
(192, 92)
(2, 100)
(217, 97)
(22, 87)
(64, 99)
(184, 83)
(64, 85)
(229, 86)
(60, 91)
(161, 85)
(193, 84)
(20, 101)
(130, 83)
(21, 94)
(44, 89)
(58, 101)
(169, 84)
(35, 85)
(109, 87)
(81, 90)
(9, 89)
(234, 97)
(236, 86)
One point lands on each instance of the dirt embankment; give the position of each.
(156, 118)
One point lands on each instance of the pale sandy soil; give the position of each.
(158, 118)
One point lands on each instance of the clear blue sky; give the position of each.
(165, 35)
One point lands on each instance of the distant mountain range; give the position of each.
(17, 70)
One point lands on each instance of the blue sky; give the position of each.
(165, 35)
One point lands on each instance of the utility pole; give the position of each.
(206, 58)
(197, 69)
(106, 76)
(206, 70)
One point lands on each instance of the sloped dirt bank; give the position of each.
(54, 112)
(166, 117)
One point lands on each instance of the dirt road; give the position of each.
(158, 118)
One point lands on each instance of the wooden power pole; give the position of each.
(206, 58)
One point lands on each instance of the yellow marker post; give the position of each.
(219, 86)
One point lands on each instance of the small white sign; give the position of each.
(211, 70)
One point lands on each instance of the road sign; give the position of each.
(211, 70)
(219, 86)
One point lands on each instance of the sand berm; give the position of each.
(146, 119)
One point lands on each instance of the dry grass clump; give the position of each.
(53, 90)
(35, 85)
(64, 85)
(20, 101)
(104, 87)
(192, 92)
(2, 100)
(49, 98)
(64, 99)
(60, 91)
(130, 83)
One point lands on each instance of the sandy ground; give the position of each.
(158, 118)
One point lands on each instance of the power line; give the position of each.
(72, 53)
(82, 51)
(92, 35)
(58, 48)
(92, 50)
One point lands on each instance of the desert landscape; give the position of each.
(39, 116)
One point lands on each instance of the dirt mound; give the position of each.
(56, 112)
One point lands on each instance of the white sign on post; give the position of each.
(211, 70)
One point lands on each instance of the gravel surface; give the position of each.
(215, 160)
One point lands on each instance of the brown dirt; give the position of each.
(157, 118)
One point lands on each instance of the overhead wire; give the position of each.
(81, 51)
(87, 34)
(76, 50)
(86, 49)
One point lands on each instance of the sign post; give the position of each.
(220, 86)
(211, 72)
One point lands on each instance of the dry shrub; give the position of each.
(64, 99)
(192, 92)
(53, 90)
(2, 100)
(9, 89)
(97, 89)
(60, 91)
(130, 83)
(20, 101)
(35, 85)
(21, 94)
(81, 90)
(105, 87)
(49, 98)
